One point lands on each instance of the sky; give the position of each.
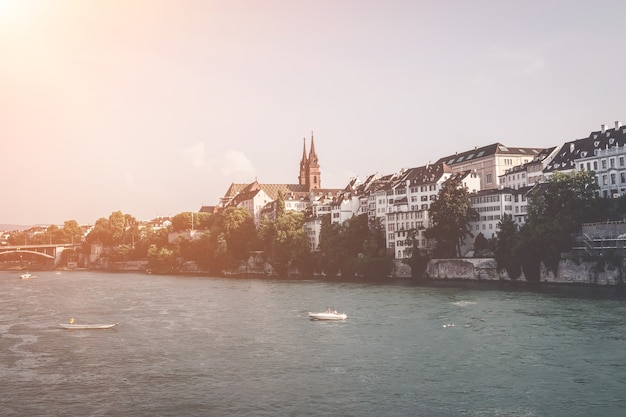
(154, 107)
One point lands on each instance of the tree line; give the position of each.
(225, 239)
(556, 211)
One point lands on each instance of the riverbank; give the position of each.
(481, 270)
(485, 269)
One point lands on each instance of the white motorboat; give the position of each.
(27, 275)
(86, 326)
(328, 315)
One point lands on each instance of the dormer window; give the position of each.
(611, 141)
(596, 143)
(583, 154)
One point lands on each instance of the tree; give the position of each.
(162, 260)
(280, 205)
(331, 246)
(186, 221)
(117, 227)
(72, 231)
(417, 259)
(291, 245)
(101, 232)
(505, 252)
(556, 210)
(450, 215)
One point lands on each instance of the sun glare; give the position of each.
(7, 5)
(13, 10)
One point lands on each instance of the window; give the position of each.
(621, 161)
(489, 179)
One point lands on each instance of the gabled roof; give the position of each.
(237, 193)
(586, 147)
(426, 174)
(487, 151)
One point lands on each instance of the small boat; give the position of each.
(328, 315)
(26, 276)
(73, 326)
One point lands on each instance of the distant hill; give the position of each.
(12, 227)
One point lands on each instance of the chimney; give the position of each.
(603, 128)
(618, 124)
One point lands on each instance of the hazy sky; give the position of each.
(155, 107)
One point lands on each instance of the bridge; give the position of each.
(50, 251)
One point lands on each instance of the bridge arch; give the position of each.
(45, 255)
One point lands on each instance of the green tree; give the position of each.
(556, 210)
(117, 225)
(185, 221)
(162, 260)
(506, 247)
(417, 259)
(101, 232)
(280, 205)
(450, 215)
(290, 246)
(332, 246)
(72, 231)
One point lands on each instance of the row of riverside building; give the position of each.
(498, 178)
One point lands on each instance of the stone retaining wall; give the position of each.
(569, 272)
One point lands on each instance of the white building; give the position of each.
(492, 205)
(590, 154)
(408, 201)
(490, 162)
(609, 166)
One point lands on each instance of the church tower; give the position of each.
(310, 173)
(313, 170)
(303, 166)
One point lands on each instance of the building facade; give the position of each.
(490, 162)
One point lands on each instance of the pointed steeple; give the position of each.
(312, 154)
(304, 159)
(304, 163)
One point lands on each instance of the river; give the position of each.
(204, 346)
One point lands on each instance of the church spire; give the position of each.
(312, 154)
(303, 160)
(304, 163)
(310, 173)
